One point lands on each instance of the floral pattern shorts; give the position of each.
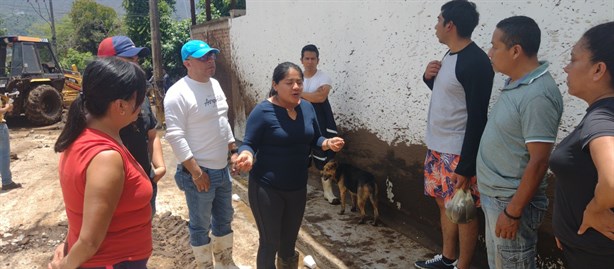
(438, 170)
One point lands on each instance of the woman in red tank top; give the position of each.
(106, 192)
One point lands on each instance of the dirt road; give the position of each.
(33, 220)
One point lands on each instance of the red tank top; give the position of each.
(129, 235)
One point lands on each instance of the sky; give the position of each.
(62, 7)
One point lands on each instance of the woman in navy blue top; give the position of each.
(279, 135)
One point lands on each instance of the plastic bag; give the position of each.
(461, 208)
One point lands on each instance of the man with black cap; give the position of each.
(140, 137)
(198, 130)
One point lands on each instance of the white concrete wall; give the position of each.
(376, 51)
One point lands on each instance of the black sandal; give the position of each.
(11, 186)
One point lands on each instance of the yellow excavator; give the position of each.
(32, 77)
(72, 85)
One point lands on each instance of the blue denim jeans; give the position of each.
(518, 253)
(211, 210)
(5, 155)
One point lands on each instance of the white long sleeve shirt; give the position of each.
(197, 122)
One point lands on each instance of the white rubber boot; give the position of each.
(328, 191)
(204, 260)
(222, 252)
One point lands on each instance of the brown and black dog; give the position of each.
(361, 184)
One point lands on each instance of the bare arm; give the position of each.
(6, 108)
(539, 153)
(598, 214)
(319, 95)
(157, 159)
(103, 188)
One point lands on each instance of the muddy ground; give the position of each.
(33, 220)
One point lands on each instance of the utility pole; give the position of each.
(154, 22)
(156, 56)
(193, 12)
(208, 9)
(53, 37)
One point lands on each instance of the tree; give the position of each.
(65, 32)
(2, 28)
(92, 22)
(80, 59)
(223, 7)
(173, 33)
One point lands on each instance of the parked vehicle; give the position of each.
(32, 76)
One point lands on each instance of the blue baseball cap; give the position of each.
(121, 46)
(196, 49)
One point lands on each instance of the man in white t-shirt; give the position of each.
(316, 87)
(199, 133)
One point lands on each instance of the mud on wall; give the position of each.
(376, 52)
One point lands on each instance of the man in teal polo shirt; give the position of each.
(513, 154)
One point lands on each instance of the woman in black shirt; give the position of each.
(583, 219)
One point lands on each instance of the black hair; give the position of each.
(599, 40)
(281, 71)
(104, 81)
(463, 14)
(312, 48)
(523, 31)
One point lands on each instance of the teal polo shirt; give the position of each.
(528, 110)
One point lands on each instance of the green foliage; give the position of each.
(202, 16)
(81, 59)
(2, 29)
(172, 42)
(219, 8)
(18, 24)
(65, 31)
(224, 6)
(79, 33)
(92, 22)
(173, 33)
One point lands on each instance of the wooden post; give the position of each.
(156, 59)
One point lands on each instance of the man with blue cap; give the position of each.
(140, 137)
(199, 133)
